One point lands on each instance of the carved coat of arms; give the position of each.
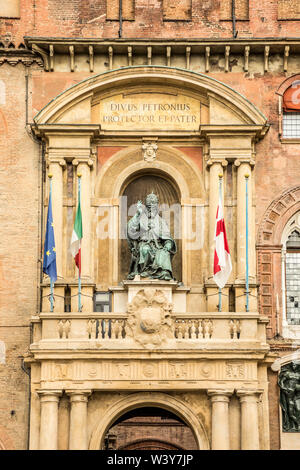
(149, 320)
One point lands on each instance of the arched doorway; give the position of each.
(168, 194)
(149, 428)
(140, 400)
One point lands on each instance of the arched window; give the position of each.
(291, 277)
(291, 112)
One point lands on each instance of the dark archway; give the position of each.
(169, 200)
(150, 428)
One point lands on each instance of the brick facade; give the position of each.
(24, 90)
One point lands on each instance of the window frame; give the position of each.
(109, 303)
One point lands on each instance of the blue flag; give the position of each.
(49, 263)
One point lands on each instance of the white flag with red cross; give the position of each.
(222, 259)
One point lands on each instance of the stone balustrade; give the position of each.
(194, 328)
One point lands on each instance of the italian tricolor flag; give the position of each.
(76, 238)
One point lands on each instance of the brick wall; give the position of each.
(152, 19)
(19, 252)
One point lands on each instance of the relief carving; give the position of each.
(235, 370)
(149, 149)
(123, 369)
(177, 370)
(150, 369)
(149, 320)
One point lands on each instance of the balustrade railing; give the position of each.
(199, 327)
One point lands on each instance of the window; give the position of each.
(10, 8)
(291, 125)
(290, 259)
(292, 276)
(291, 112)
(102, 302)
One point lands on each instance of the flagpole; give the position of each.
(220, 198)
(51, 282)
(247, 247)
(79, 275)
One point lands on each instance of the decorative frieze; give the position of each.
(159, 370)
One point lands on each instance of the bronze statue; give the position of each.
(289, 383)
(151, 244)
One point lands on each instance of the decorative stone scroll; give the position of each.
(149, 321)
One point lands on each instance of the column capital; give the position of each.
(59, 161)
(240, 161)
(219, 395)
(49, 395)
(221, 162)
(78, 395)
(248, 395)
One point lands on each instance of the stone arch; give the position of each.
(277, 215)
(82, 93)
(144, 399)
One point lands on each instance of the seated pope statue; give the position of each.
(150, 242)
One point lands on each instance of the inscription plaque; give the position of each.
(150, 111)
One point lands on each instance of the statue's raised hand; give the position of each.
(139, 207)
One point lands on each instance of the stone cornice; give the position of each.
(253, 130)
(44, 130)
(47, 47)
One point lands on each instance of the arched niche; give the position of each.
(180, 174)
(146, 399)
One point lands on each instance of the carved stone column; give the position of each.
(56, 166)
(249, 418)
(78, 419)
(49, 418)
(220, 418)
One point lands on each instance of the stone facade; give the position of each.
(77, 99)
